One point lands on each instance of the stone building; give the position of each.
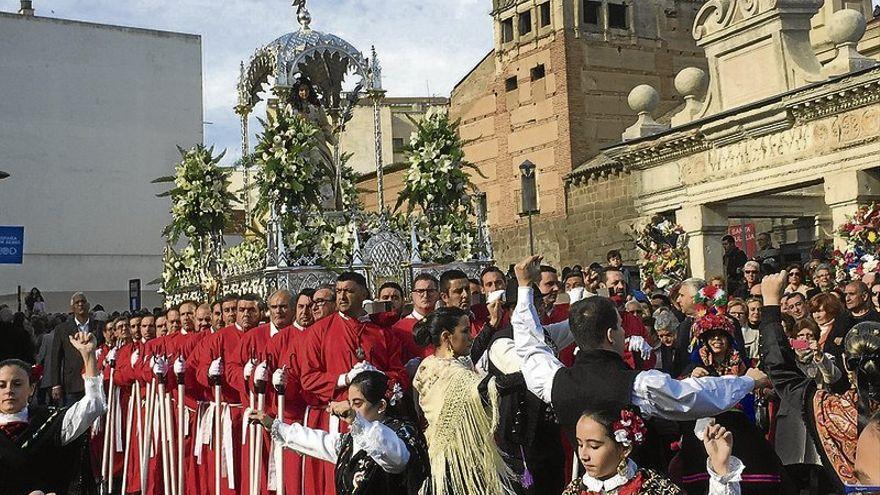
(396, 115)
(794, 150)
(89, 115)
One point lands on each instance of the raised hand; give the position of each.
(761, 379)
(772, 287)
(528, 271)
(719, 446)
(84, 343)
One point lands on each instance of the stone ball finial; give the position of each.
(643, 99)
(846, 26)
(691, 81)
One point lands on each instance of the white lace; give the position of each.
(612, 483)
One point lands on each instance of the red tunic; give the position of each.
(402, 334)
(284, 346)
(254, 344)
(329, 350)
(223, 344)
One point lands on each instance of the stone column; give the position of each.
(844, 191)
(705, 226)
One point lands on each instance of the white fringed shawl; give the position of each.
(460, 434)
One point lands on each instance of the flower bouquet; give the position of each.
(862, 236)
(664, 259)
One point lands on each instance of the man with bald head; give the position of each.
(283, 348)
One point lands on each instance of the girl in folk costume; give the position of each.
(461, 409)
(45, 448)
(605, 439)
(836, 416)
(716, 356)
(379, 455)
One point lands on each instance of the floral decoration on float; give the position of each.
(664, 255)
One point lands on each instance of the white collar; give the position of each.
(19, 417)
(612, 483)
(297, 326)
(363, 318)
(77, 323)
(272, 329)
(415, 315)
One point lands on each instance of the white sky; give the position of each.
(425, 46)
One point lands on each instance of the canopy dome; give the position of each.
(323, 58)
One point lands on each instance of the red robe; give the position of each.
(329, 350)
(181, 346)
(157, 347)
(253, 345)
(223, 344)
(284, 346)
(402, 334)
(120, 397)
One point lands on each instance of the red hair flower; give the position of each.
(630, 430)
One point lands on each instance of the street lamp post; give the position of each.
(529, 195)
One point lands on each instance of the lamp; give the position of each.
(529, 197)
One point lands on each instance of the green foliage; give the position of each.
(201, 202)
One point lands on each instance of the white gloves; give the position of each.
(360, 368)
(216, 368)
(279, 378)
(111, 356)
(639, 344)
(160, 366)
(261, 373)
(98, 352)
(249, 369)
(135, 356)
(179, 366)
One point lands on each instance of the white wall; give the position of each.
(89, 115)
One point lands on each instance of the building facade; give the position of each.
(793, 151)
(90, 114)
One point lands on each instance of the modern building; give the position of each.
(89, 115)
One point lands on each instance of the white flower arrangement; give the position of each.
(437, 184)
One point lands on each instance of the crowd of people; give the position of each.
(533, 381)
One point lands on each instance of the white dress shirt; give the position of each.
(379, 442)
(654, 392)
(81, 327)
(78, 417)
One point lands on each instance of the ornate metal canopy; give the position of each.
(324, 58)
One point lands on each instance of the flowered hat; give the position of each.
(710, 305)
(630, 429)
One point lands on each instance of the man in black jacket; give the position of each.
(66, 369)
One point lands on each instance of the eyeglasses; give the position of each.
(751, 271)
(424, 292)
(794, 274)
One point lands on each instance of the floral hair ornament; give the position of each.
(630, 429)
(394, 392)
(710, 306)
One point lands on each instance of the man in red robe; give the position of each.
(254, 348)
(333, 348)
(208, 363)
(323, 302)
(638, 353)
(425, 294)
(283, 349)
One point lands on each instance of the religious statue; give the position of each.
(305, 103)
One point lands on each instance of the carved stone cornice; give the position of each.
(776, 119)
(835, 97)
